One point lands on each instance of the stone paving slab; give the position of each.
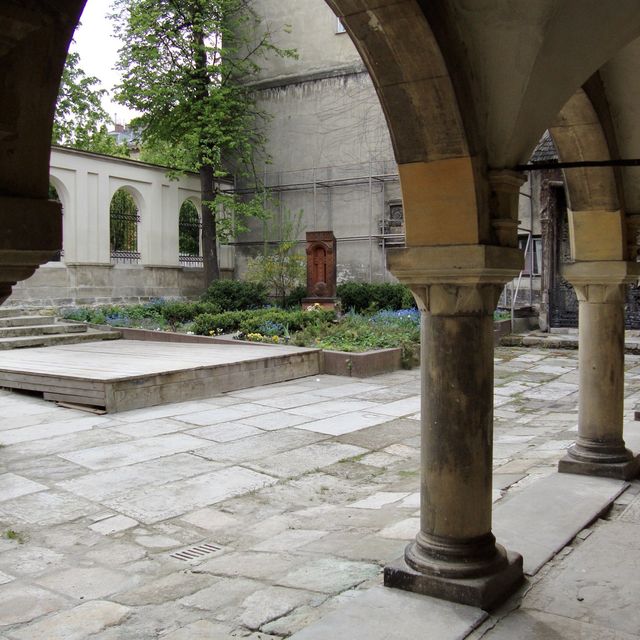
(14, 486)
(126, 453)
(102, 485)
(153, 504)
(305, 519)
(381, 614)
(20, 603)
(537, 625)
(544, 517)
(596, 582)
(74, 624)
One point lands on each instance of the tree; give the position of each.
(80, 119)
(280, 269)
(186, 67)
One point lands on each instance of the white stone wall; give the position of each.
(85, 183)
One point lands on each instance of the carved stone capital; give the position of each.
(505, 194)
(456, 279)
(457, 300)
(601, 282)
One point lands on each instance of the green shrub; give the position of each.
(252, 321)
(176, 313)
(365, 296)
(236, 295)
(295, 297)
(208, 324)
(386, 329)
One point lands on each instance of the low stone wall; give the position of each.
(61, 285)
(361, 365)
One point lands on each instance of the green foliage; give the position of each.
(158, 314)
(295, 297)
(280, 269)
(384, 330)
(177, 313)
(254, 321)
(232, 295)
(11, 534)
(189, 226)
(187, 68)
(364, 296)
(80, 120)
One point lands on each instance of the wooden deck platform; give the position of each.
(130, 374)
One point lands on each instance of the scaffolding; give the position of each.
(381, 210)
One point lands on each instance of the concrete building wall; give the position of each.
(330, 150)
(310, 27)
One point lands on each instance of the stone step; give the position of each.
(11, 312)
(40, 329)
(24, 321)
(55, 339)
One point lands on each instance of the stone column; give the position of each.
(455, 555)
(599, 449)
(31, 235)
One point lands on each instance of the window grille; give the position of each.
(392, 225)
(189, 231)
(124, 219)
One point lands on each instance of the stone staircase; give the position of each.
(20, 328)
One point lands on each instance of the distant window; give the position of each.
(392, 225)
(533, 257)
(339, 26)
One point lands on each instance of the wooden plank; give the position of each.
(52, 381)
(54, 389)
(61, 397)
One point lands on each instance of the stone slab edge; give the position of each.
(381, 613)
(542, 519)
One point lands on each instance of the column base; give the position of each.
(484, 592)
(626, 470)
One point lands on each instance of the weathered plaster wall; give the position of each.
(326, 124)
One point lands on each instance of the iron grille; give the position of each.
(189, 229)
(124, 237)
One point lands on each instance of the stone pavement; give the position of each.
(271, 511)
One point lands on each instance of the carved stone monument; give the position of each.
(321, 269)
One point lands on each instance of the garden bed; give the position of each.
(380, 331)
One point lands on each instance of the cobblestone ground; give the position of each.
(294, 496)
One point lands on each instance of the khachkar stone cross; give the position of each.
(321, 268)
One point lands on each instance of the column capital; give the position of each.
(459, 264)
(456, 279)
(505, 193)
(506, 180)
(601, 281)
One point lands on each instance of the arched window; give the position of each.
(123, 227)
(53, 195)
(189, 228)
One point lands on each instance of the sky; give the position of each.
(98, 50)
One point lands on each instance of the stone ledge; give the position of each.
(361, 365)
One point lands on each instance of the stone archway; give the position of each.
(468, 87)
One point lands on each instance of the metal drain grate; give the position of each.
(196, 553)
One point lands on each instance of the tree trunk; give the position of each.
(209, 243)
(207, 182)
